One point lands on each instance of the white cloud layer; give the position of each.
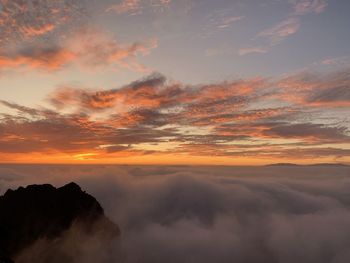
(199, 214)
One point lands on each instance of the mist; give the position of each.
(204, 214)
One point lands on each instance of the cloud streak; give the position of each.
(292, 24)
(282, 30)
(252, 50)
(135, 7)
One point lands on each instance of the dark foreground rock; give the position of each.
(39, 215)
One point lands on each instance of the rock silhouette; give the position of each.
(45, 212)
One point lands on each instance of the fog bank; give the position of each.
(213, 214)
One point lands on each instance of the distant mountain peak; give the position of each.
(282, 164)
(72, 186)
(316, 164)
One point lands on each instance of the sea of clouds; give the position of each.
(186, 214)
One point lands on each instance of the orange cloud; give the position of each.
(158, 117)
(50, 35)
(86, 48)
(31, 31)
(22, 20)
(155, 93)
(314, 90)
(42, 58)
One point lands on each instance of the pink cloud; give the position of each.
(282, 30)
(303, 7)
(85, 48)
(247, 51)
(292, 23)
(126, 6)
(135, 7)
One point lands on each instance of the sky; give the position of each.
(174, 81)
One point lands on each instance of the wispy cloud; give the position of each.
(134, 7)
(218, 21)
(228, 21)
(292, 24)
(252, 50)
(303, 7)
(126, 6)
(282, 30)
(336, 61)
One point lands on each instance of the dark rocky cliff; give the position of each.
(45, 212)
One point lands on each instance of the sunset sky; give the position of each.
(232, 82)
